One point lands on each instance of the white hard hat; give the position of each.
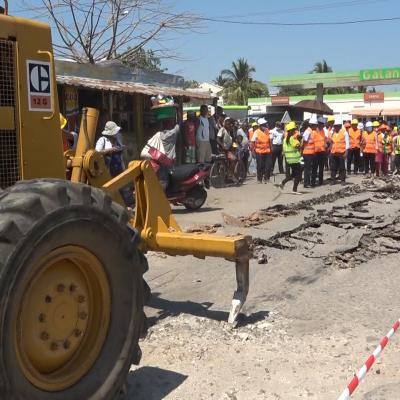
(313, 120)
(261, 121)
(369, 124)
(321, 119)
(338, 121)
(360, 125)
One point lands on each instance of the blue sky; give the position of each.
(284, 50)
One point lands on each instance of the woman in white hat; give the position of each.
(110, 146)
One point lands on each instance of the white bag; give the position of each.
(156, 142)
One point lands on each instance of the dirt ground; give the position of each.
(315, 311)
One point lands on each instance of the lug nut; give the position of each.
(67, 344)
(60, 288)
(44, 336)
(81, 299)
(42, 317)
(77, 332)
(82, 315)
(48, 299)
(72, 288)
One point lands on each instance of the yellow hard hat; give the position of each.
(331, 118)
(375, 124)
(354, 121)
(253, 124)
(63, 121)
(291, 125)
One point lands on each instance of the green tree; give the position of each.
(190, 84)
(240, 85)
(220, 80)
(144, 59)
(321, 67)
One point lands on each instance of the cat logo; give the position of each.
(39, 86)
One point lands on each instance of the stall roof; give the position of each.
(129, 87)
(364, 77)
(371, 112)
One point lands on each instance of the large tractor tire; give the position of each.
(71, 292)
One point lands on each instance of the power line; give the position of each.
(315, 7)
(325, 23)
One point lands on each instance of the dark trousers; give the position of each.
(318, 168)
(397, 162)
(361, 164)
(277, 154)
(214, 146)
(338, 165)
(308, 165)
(369, 163)
(295, 174)
(263, 166)
(353, 156)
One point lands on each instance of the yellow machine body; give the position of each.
(29, 118)
(31, 143)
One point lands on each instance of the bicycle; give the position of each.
(219, 173)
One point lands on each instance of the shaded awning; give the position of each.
(130, 87)
(374, 112)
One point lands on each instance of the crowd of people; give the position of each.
(343, 147)
(303, 152)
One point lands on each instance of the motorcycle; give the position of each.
(183, 184)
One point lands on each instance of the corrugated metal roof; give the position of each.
(128, 87)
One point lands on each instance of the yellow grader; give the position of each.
(71, 258)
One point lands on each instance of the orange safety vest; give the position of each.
(369, 142)
(338, 142)
(263, 142)
(251, 133)
(319, 141)
(355, 138)
(309, 146)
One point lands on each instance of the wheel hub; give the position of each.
(64, 318)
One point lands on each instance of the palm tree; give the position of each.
(220, 80)
(321, 67)
(239, 85)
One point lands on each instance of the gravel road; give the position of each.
(316, 309)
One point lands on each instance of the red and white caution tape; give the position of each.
(351, 387)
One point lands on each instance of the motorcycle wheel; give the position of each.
(218, 174)
(196, 197)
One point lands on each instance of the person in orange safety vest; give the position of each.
(261, 145)
(308, 150)
(368, 147)
(320, 146)
(353, 155)
(340, 144)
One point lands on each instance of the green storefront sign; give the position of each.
(379, 74)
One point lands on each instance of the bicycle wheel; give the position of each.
(218, 174)
(240, 171)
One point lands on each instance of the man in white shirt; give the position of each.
(203, 145)
(277, 135)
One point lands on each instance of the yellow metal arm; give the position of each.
(160, 231)
(153, 217)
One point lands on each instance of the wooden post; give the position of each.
(320, 91)
(138, 109)
(110, 106)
